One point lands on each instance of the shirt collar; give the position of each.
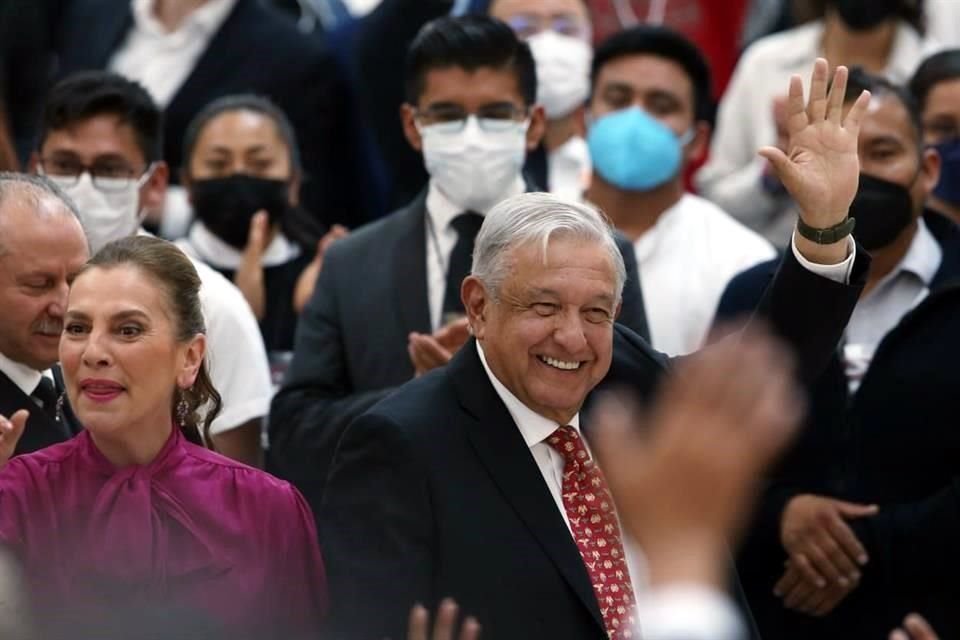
(921, 261)
(533, 427)
(907, 48)
(207, 247)
(203, 21)
(20, 374)
(442, 210)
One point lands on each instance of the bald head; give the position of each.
(25, 199)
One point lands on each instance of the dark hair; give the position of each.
(910, 11)
(860, 81)
(168, 267)
(241, 102)
(87, 94)
(664, 43)
(469, 42)
(940, 67)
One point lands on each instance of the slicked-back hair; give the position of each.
(860, 80)
(536, 218)
(470, 43)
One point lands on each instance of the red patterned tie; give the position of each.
(596, 531)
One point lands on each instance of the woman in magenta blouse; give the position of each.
(135, 511)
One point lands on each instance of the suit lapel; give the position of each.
(409, 264)
(502, 450)
(41, 430)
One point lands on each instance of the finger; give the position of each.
(919, 628)
(432, 352)
(470, 630)
(843, 563)
(796, 110)
(418, 623)
(800, 593)
(787, 582)
(824, 564)
(817, 106)
(848, 541)
(853, 510)
(778, 160)
(898, 634)
(808, 570)
(446, 620)
(828, 601)
(855, 116)
(838, 91)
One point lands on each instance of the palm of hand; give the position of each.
(827, 171)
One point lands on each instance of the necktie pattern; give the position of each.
(596, 530)
(467, 226)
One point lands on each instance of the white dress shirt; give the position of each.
(896, 294)
(687, 612)
(203, 244)
(568, 169)
(441, 238)
(732, 175)
(20, 374)
(685, 261)
(162, 60)
(535, 430)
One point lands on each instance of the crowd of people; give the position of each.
(364, 319)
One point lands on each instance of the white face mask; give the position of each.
(105, 215)
(472, 167)
(563, 72)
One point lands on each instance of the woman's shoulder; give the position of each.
(242, 477)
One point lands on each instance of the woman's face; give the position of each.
(120, 354)
(240, 142)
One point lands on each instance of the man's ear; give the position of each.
(538, 126)
(408, 119)
(930, 171)
(697, 148)
(475, 300)
(33, 162)
(293, 191)
(154, 190)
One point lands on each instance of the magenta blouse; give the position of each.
(191, 530)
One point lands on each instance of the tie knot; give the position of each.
(568, 443)
(467, 224)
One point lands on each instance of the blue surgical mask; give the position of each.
(634, 151)
(948, 189)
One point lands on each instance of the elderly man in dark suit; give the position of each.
(474, 481)
(42, 246)
(471, 111)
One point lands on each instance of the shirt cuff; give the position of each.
(687, 612)
(839, 272)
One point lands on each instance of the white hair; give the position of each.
(537, 217)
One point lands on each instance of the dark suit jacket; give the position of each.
(433, 491)
(41, 431)
(257, 50)
(351, 344)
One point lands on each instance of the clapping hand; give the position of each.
(10, 432)
(446, 624)
(914, 628)
(429, 351)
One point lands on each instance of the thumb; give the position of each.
(778, 160)
(854, 510)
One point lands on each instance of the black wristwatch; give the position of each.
(829, 235)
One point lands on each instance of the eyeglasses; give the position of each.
(107, 177)
(527, 25)
(492, 118)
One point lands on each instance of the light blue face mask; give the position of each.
(634, 151)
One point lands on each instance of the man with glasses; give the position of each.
(100, 141)
(559, 34)
(382, 307)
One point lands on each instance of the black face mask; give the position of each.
(226, 205)
(861, 15)
(882, 210)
